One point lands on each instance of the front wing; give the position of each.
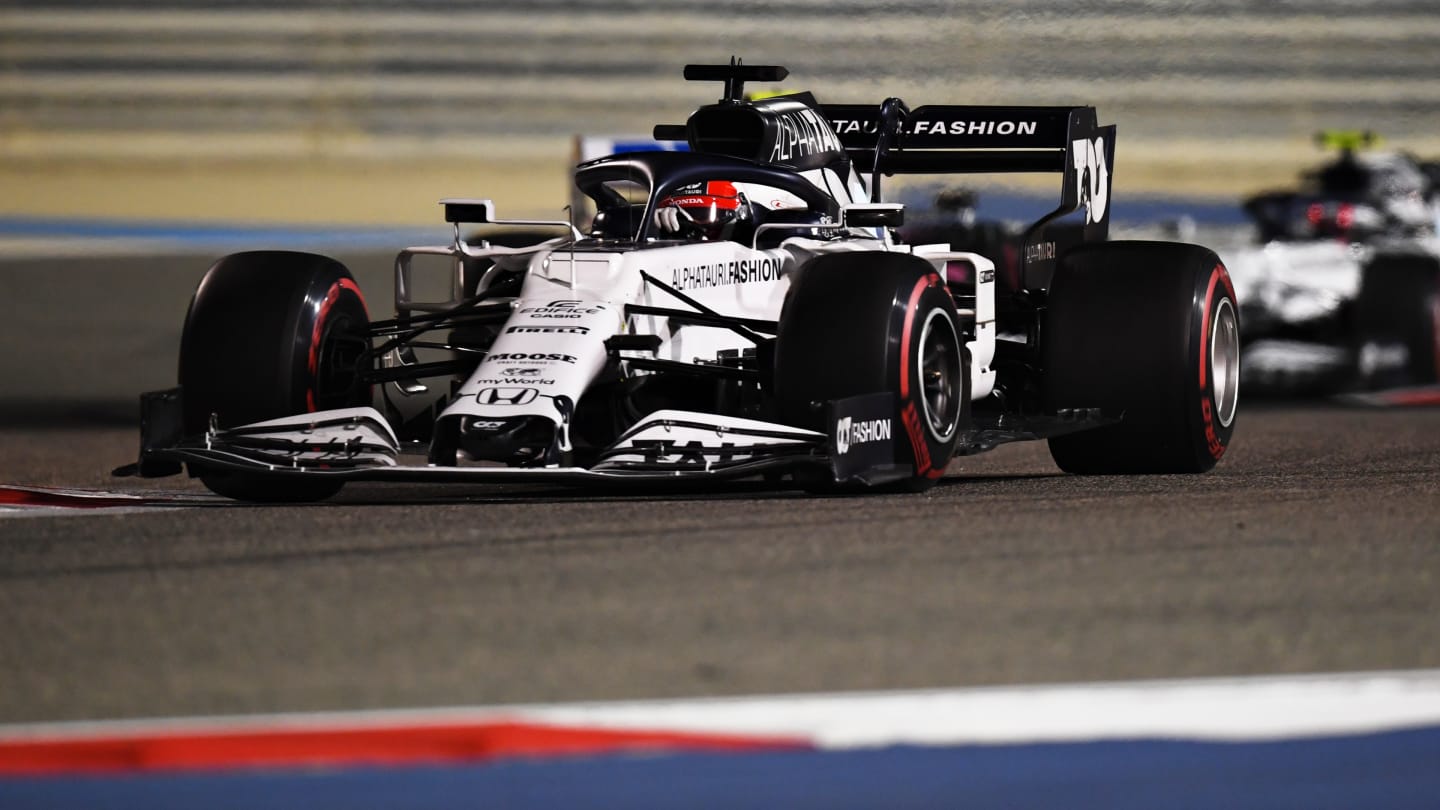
(357, 444)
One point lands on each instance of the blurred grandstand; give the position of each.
(361, 110)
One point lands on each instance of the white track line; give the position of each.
(1211, 709)
(1216, 709)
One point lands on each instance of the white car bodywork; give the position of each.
(1305, 286)
(553, 345)
(629, 313)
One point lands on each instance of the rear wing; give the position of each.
(954, 139)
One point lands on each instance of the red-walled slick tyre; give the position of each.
(271, 334)
(865, 323)
(1148, 332)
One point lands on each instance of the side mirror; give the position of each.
(475, 212)
(873, 215)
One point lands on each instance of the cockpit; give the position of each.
(665, 197)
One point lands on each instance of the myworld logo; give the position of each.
(849, 431)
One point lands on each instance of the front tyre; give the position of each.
(864, 323)
(271, 334)
(1149, 332)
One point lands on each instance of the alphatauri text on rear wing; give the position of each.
(962, 139)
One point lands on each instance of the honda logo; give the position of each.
(506, 396)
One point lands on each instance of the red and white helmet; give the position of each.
(710, 206)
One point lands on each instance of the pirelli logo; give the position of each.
(548, 330)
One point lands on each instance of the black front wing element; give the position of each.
(356, 445)
(858, 447)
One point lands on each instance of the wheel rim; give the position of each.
(940, 375)
(337, 378)
(1225, 361)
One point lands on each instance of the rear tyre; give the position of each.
(271, 334)
(1148, 331)
(1397, 321)
(863, 323)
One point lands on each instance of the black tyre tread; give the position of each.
(1119, 335)
(233, 358)
(837, 337)
(826, 351)
(242, 354)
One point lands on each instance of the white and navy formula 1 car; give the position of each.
(1342, 293)
(738, 309)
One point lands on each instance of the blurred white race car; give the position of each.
(1343, 291)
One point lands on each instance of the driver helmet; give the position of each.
(709, 205)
